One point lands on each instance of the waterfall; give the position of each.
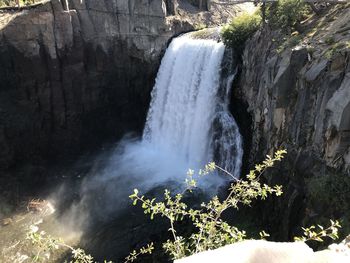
(227, 140)
(187, 115)
(188, 125)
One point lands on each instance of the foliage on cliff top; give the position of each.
(283, 14)
(236, 33)
(286, 13)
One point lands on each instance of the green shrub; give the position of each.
(336, 48)
(330, 40)
(210, 230)
(330, 191)
(289, 43)
(286, 13)
(328, 196)
(236, 33)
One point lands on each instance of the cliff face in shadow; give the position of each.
(298, 94)
(69, 78)
(72, 79)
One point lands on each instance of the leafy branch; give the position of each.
(310, 233)
(46, 244)
(211, 231)
(148, 249)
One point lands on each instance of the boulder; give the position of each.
(260, 251)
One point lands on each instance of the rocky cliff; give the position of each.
(69, 78)
(73, 76)
(298, 93)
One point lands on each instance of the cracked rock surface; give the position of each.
(298, 95)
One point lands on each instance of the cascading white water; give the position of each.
(227, 141)
(188, 125)
(186, 102)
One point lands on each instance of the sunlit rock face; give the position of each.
(299, 99)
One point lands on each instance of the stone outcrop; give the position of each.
(299, 99)
(71, 79)
(260, 251)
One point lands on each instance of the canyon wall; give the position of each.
(73, 77)
(298, 94)
(68, 78)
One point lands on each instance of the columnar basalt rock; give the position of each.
(299, 99)
(70, 78)
(60, 69)
(73, 72)
(171, 7)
